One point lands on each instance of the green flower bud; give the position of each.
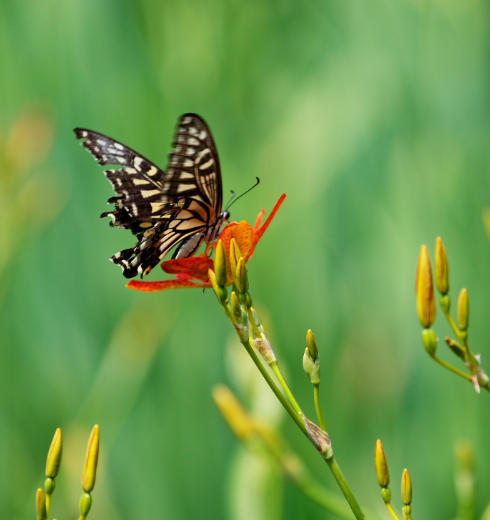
(85, 504)
(54, 455)
(424, 289)
(91, 459)
(381, 465)
(386, 495)
(49, 485)
(311, 367)
(430, 341)
(236, 308)
(442, 267)
(463, 310)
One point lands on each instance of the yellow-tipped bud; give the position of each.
(242, 276)
(442, 267)
(233, 412)
(430, 341)
(41, 505)
(220, 267)
(91, 459)
(463, 310)
(424, 289)
(221, 292)
(54, 455)
(237, 276)
(406, 488)
(381, 465)
(311, 345)
(85, 504)
(235, 254)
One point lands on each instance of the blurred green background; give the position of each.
(373, 116)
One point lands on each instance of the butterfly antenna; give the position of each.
(233, 199)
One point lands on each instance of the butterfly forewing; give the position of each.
(194, 169)
(162, 209)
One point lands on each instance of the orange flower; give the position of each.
(192, 272)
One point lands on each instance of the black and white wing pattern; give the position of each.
(162, 209)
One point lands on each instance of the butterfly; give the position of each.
(180, 206)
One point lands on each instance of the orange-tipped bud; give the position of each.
(463, 310)
(442, 267)
(91, 459)
(381, 465)
(406, 488)
(54, 455)
(424, 290)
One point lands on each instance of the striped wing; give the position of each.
(162, 209)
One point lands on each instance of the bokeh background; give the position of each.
(373, 116)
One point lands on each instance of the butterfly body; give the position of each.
(181, 205)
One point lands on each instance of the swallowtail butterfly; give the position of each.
(162, 208)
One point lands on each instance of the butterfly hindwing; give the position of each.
(162, 209)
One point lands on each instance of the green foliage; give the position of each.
(372, 116)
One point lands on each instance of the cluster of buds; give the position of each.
(426, 310)
(383, 474)
(43, 498)
(238, 305)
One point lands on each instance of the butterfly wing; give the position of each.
(162, 209)
(194, 169)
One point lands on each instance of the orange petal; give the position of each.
(244, 235)
(165, 285)
(192, 267)
(261, 230)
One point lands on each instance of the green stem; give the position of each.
(392, 511)
(318, 408)
(298, 419)
(277, 392)
(455, 329)
(451, 368)
(344, 487)
(274, 365)
(277, 372)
